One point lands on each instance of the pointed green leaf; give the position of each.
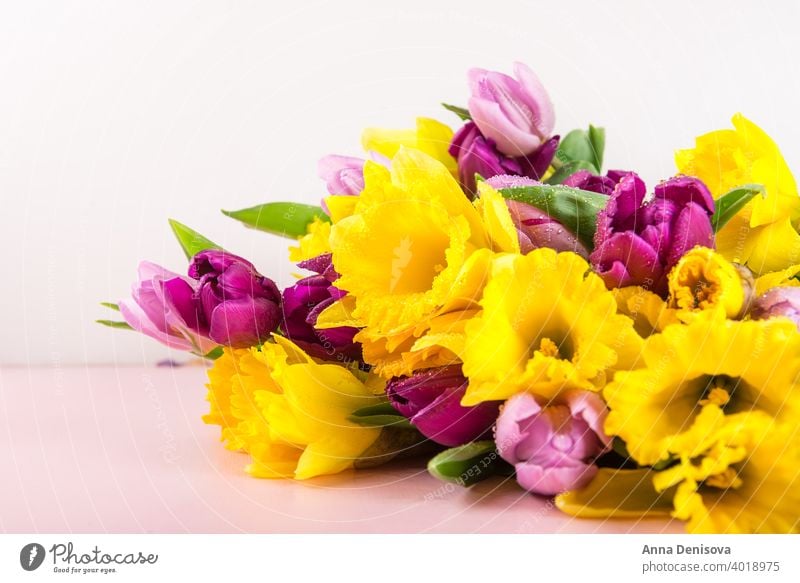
(468, 464)
(190, 240)
(459, 111)
(597, 137)
(574, 208)
(110, 306)
(214, 353)
(583, 146)
(115, 324)
(730, 203)
(381, 415)
(288, 219)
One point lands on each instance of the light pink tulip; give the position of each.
(553, 446)
(516, 114)
(152, 312)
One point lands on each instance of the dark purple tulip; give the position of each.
(585, 180)
(304, 302)
(638, 244)
(431, 400)
(477, 154)
(233, 304)
(778, 302)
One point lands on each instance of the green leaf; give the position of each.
(468, 464)
(732, 202)
(597, 137)
(574, 208)
(583, 146)
(381, 415)
(566, 170)
(110, 306)
(190, 240)
(115, 324)
(459, 111)
(213, 354)
(288, 219)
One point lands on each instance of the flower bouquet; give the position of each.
(492, 299)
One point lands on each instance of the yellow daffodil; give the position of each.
(289, 413)
(763, 235)
(699, 379)
(429, 136)
(548, 323)
(402, 251)
(750, 483)
(704, 280)
(649, 312)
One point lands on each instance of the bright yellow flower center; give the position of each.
(548, 323)
(704, 280)
(699, 379)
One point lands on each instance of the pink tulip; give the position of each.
(516, 114)
(152, 310)
(553, 446)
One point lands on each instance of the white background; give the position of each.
(117, 115)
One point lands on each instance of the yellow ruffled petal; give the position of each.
(497, 219)
(774, 247)
(315, 242)
(548, 323)
(430, 136)
(340, 206)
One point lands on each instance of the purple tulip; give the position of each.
(304, 302)
(516, 114)
(342, 174)
(552, 447)
(778, 302)
(585, 180)
(638, 244)
(152, 311)
(431, 400)
(233, 304)
(477, 154)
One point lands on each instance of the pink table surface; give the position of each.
(123, 450)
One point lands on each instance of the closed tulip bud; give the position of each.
(515, 113)
(431, 400)
(342, 174)
(238, 306)
(779, 302)
(638, 244)
(162, 307)
(552, 447)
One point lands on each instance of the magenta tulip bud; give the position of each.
(552, 447)
(161, 307)
(585, 180)
(516, 114)
(778, 302)
(431, 400)
(342, 174)
(305, 301)
(638, 244)
(238, 306)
